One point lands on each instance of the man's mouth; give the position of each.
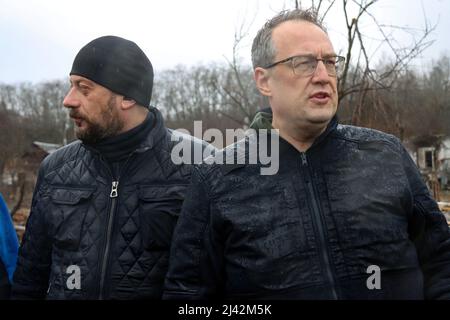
(320, 97)
(78, 121)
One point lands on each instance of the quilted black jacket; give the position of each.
(317, 229)
(114, 233)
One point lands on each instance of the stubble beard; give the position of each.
(110, 125)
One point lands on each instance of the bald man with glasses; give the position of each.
(346, 216)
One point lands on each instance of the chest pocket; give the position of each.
(159, 209)
(68, 210)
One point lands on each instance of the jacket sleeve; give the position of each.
(9, 244)
(430, 232)
(33, 265)
(196, 255)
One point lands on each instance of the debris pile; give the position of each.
(445, 208)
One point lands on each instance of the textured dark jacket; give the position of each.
(116, 238)
(318, 229)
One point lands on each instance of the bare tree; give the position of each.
(360, 75)
(240, 88)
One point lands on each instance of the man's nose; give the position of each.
(321, 73)
(70, 100)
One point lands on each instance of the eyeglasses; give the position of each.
(306, 65)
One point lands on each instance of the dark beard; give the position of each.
(110, 126)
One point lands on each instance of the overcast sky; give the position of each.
(40, 38)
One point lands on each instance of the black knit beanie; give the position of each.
(117, 64)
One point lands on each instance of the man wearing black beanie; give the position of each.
(105, 206)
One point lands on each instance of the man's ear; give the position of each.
(127, 103)
(261, 77)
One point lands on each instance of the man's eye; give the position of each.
(84, 89)
(301, 63)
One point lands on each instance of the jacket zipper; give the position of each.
(318, 219)
(114, 197)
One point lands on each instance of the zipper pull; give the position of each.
(115, 185)
(304, 161)
(49, 287)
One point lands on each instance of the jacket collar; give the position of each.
(332, 125)
(157, 133)
(263, 120)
